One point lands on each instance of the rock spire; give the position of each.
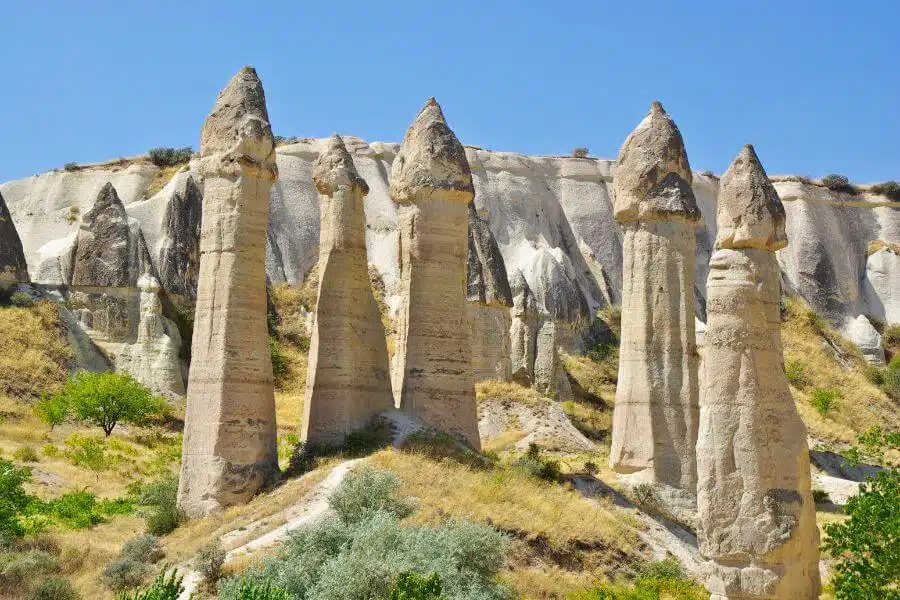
(656, 412)
(13, 268)
(431, 184)
(756, 516)
(348, 380)
(229, 436)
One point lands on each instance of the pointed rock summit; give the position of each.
(13, 268)
(756, 516)
(431, 184)
(229, 434)
(656, 412)
(750, 213)
(348, 378)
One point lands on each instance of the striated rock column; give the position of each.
(13, 268)
(656, 411)
(229, 434)
(431, 183)
(757, 520)
(348, 381)
(522, 331)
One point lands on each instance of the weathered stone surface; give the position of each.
(13, 267)
(656, 412)
(432, 186)
(861, 332)
(348, 381)
(522, 331)
(179, 256)
(756, 516)
(229, 437)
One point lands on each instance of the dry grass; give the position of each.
(34, 352)
(99, 546)
(161, 179)
(860, 404)
(876, 245)
(507, 390)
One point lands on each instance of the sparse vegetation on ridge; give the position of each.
(888, 189)
(839, 183)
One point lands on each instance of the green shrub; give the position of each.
(874, 375)
(87, 452)
(367, 440)
(250, 590)
(70, 166)
(143, 548)
(125, 574)
(21, 299)
(26, 454)
(52, 410)
(105, 399)
(280, 366)
(823, 400)
(76, 510)
(838, 183)
(164, 587)
(646, 494)
(820, 496)
(661, 580)
(866, 547)
(795, 371)
(161, 500)
(13, 499)
(579, 153)
(535, 465)
(54, 588)
(210, 560)
(888, 189)
(891, 385)
(24, 568)
(410, 586)
(50, 451)
(169, 157)
(367, 491)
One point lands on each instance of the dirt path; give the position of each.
(312, 507)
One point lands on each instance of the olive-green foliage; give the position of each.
(26, 454)
(891, 385)
(54, 588)
(248, 589)
(210, 560)
(143, 548)
(13, 499)
(52, 410)
(866, 546)
(823, 400)
(80, 509)
(125, 574)
(280, 366)
(888, 189)
(875, 446)
(105, 399)
(874, 374)
(164, 587)
(169, 157)
(21, 299)
(795, 371)
(359, 553)
(19, 570)
(535, 465)
(661, 580)
(161, 501)
(85, 451)
(838, 183)
(411, 586)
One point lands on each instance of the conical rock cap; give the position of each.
(335, 168)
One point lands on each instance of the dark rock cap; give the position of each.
(430, 157)
(13, 267)
(334, 168)
(749, 213)
(670, 199)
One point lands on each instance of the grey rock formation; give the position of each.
(348, 381)
(13, 267)
(179, 257)
(229, 435)
(523, 331)
(656, 411)
(431, 185)
(756, 516)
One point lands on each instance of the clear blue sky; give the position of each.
(814, 85)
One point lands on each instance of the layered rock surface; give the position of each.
(655, 419)
(431, 185)
(13, 266)
(229, 437)
(756, 516)
(348, 380)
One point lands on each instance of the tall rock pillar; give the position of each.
(13, 268)
(229, 434)
(431, 183)
(348, 381)
(757, 520)
(656, 412)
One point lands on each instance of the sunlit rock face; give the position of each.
(756, 515)
(229, 435)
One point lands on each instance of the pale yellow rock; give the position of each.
(656, 412)
(756, 516)
(229, 435)
(432, 186)
(348, 381)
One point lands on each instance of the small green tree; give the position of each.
(410, 586)
(52, 410)
(867, 544)
(13, 499)
(106, 399)
(165, 587)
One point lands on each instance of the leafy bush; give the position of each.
(54, 588)
(838, 183)
(52, 410)
(250, 590)
(26, 454)
(367, 491)
(410, 586)
(891, 385)
(823, 400)
(21, 299)
(164, 587)
(87, 452)
(535, 465)
(143, 548)
(169, 157)
(105, 399)
(13, 499)
(888, 189)
(866, 546)
(125, 574)
(874, 375)
(579, 153)
(210, 560)
(161, 498)
(81, 509)
(660, 580)
(25, 567)
(795, 371)
(280, 366)
(70, 166)
(820, 496)
(646, 494)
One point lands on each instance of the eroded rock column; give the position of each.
(13, 268)
(229, 435)
(656, 411)
(757, 521)
(431, 183)
(348, 381)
